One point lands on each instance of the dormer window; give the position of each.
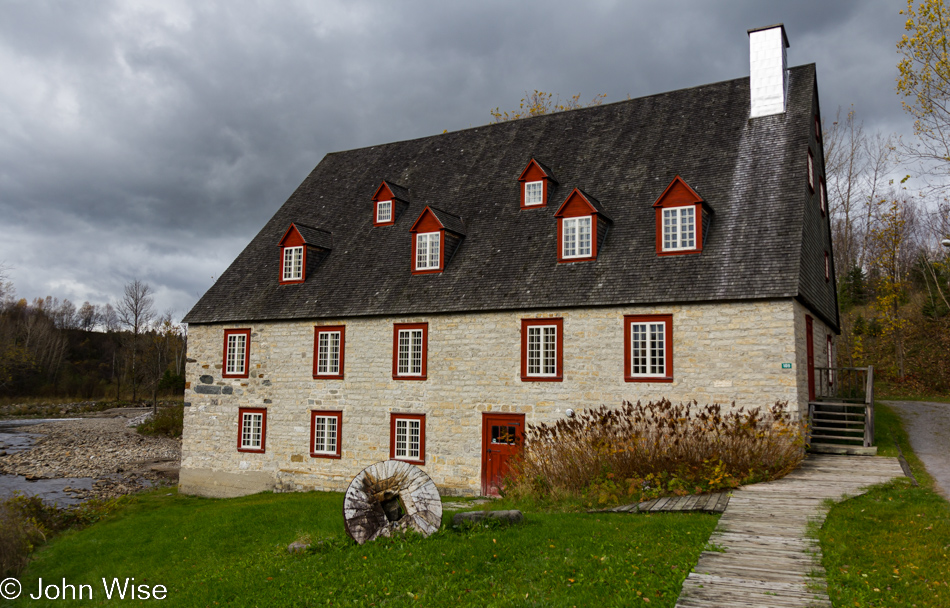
(300, 248)
(811, 171)
(822, 196)
(536, 183)
(533, 193)
(384, 212)
(679, 228)
(581, 227)
(575, 237)
(427, 251)
(682, 220)
(436, 235)
(293, 264)
(389, 201)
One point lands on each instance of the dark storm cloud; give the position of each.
(152, 140)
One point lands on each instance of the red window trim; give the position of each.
(339, 432)
(252, 410)
(811, 170)
(392, 212)
(822, 196)
(303, 265)
(559, 365)
(422, 436)
(698, 225)
(247, 353)
(425, 350)
(317, 330)
(668, 347)
(441, 252)
(817, 128)
(827, 268)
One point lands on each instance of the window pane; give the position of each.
(434, 250)
(417, 351)
(638, 349)
(328, 352)
(687, 228)
(550, 350)
(533, 192)
(570, 238)
(422, 251)
(383, 211)
(251, 426)
(403, 351)
(534, 350)
(669, 229)
(583, 236)
(401, 432)
(236, 350)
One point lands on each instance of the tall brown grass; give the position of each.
(637, 452)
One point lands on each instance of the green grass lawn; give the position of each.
(891, 546)
(210, 552)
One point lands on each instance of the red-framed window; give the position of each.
(326, 433)
(817, 128)
(410, 350)
(328, 350)
(827, 267)
(822, 196)
(542, 350)
(680, 216)
(648, 348)
(384, 206)
(534, 183)
(237, 353)
(811, 171)
(577, 229)
(252, 429)
(293, 257)
(407, 437)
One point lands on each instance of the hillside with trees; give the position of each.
(49, 349)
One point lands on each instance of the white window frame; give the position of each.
(249, 428)
(649, 349)
(409, 357)
(573, 245)
(542, 351)
(236, 356)
(326, 433)
(405, 436)
(675, 237)
(328, 352)
(388, 206)
(293, 263)
(428, 245)
(534, 193)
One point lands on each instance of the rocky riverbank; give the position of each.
(104, 448)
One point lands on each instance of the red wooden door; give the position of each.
(810, 349)
(502, 438)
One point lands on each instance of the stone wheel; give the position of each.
(388, 497)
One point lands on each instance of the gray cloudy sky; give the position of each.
(153, 139)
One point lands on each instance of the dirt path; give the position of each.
(928, 425)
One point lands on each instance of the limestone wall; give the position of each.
(721, 353)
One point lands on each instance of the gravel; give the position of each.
(104, 448)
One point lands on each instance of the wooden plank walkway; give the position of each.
(714, 502)
(766, 559)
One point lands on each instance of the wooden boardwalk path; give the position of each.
(711, 503)
(765, 559)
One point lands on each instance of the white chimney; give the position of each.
(768, 76)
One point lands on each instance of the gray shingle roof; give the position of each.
(450, 222)
(315, 237)
(766, 239)
(399, 193)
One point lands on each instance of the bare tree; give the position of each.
(136, 311)
(90, 316)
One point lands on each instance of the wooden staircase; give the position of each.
(841, 417)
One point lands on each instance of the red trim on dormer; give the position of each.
(811, 170)
(533, 172)
(384, 193)
(576, 205)
(292, 238)
(822, 195)
(679, 194)
(426, 223)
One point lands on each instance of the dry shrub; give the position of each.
(18, 535)
(639, 452)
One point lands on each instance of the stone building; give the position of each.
(424, 300)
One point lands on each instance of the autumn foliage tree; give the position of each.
(539, 103)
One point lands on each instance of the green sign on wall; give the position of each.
(786, 366)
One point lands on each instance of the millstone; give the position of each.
(389, 497)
